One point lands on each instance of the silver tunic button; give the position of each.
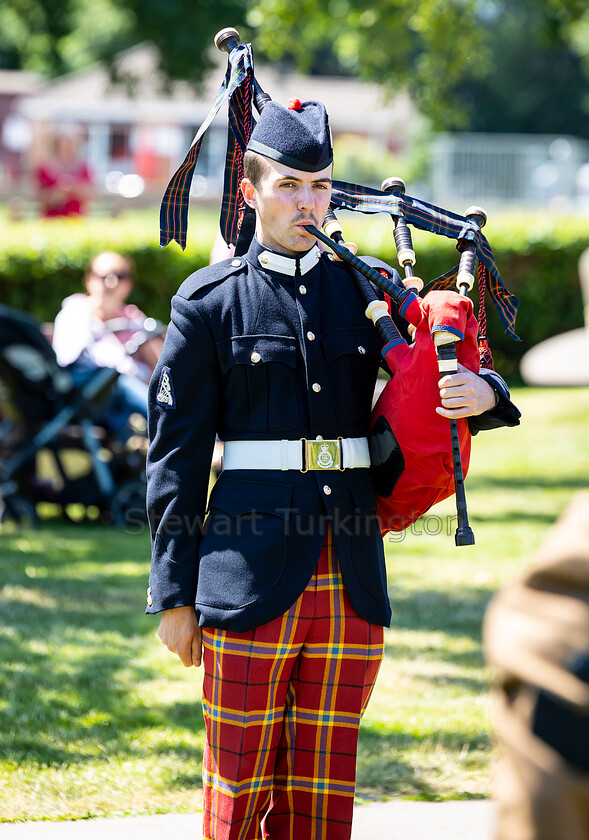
(361, 350)
(326, 489)
(302, 290)
(235, 263)
(316, 387)
(311, 336)
(255, 357)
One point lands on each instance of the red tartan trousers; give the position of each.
(282, 706)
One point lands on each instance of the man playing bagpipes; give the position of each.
(282, 589)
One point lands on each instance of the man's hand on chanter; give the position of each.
(464, 394)
(180, 633)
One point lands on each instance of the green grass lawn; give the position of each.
(97, 718)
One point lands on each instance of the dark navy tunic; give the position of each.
(252, 354)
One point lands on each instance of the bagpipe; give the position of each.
(418, 457)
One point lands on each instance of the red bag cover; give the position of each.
(408, 403)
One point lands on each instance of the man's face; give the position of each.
(285, 199)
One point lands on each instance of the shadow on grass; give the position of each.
(72, 628)
(383, 770)
(532, 481)
(514, 516)
(456, 613)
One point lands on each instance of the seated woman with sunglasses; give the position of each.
(99, 329)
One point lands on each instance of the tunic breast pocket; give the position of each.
(353, 357)
(260, 382)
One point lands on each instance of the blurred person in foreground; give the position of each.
(99, 328)
(537, 638)
(63, 181)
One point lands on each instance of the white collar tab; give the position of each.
(288, 265)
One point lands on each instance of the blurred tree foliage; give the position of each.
(425, 46)
(540, 77)
(53, 37)
(490, 64)
(364, 161)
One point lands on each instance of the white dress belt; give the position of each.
(303, 455)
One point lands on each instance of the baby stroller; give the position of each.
(45, 417)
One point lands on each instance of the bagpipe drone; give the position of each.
(418, 457)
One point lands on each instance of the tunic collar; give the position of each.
(281, 263)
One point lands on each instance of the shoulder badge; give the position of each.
(165, 389)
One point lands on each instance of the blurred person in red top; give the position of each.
(64, 182)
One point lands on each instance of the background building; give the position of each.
(137, 131)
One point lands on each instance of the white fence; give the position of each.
(501, 170)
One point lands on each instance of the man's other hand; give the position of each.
(180, 633)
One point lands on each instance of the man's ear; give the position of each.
(249, 192)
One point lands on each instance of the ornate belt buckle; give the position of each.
(322, 455)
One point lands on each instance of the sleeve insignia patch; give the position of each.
(165, 389)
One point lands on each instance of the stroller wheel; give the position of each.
(20, 511)
(128, 505)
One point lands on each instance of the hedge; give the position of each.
(41, 262)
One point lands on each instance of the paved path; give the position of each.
(397, 820)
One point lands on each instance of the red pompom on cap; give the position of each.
(294, 104)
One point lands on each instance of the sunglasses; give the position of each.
(120, 275)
